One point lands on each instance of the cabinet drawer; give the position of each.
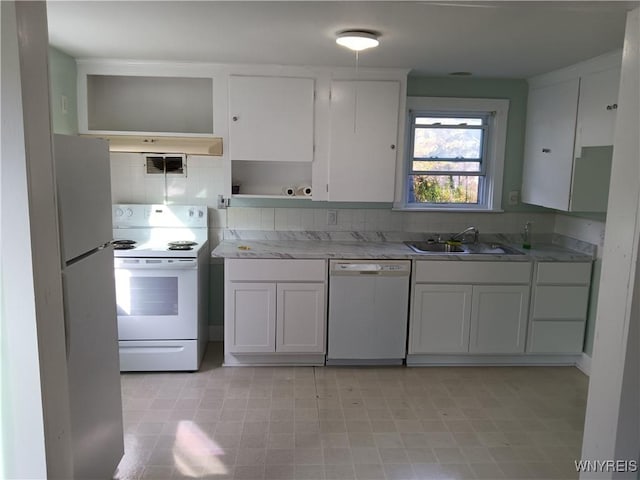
(563, 272)
(261, 270)
(472, 272)
(556, 337)
(560, 303)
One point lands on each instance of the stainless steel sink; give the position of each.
(428, 247)
(492, 249)
(465, 249)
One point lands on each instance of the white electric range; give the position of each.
(161, 271)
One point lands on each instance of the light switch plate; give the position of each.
(222, 202)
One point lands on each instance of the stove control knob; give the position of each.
(119, 212)
(129, 212)
(200, 213)
(191, 212)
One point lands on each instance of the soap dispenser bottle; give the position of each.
(526, 236)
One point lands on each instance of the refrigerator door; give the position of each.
(93, 365)
(83, 176)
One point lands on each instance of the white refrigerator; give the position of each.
(84, 209)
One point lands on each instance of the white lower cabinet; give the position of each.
(499, 318)
(440, 319)
(251, 323)
(560, 297)
(275, 306)
(488, 316)
(300, 317)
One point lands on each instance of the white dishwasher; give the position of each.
(368, 305)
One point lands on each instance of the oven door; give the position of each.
(157, 298)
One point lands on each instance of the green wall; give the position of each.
(590, 327)
(216, 293)
(515, 91)
(63, 79)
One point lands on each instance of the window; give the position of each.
(455, 153)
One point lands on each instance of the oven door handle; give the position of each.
(156, 263)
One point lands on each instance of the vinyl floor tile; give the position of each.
(341, 423)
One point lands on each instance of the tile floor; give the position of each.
(300, 423)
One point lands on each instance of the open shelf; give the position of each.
(260, 179)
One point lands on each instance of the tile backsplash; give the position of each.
(205, 180)
(371, 220)
(201, 185)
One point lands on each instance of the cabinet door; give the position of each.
(440, 319)
(301, 319)
(597, 108)
(550, 135)
(250, 317)
(499, 319)
(364, 135)
(271, 118)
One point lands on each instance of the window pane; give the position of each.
(444, 189)
(447, 143)
(443, 166)
(448, 121)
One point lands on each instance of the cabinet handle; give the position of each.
(546, 150)
(393, 147)
(235, 118)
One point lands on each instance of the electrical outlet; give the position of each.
(513, 197)
(332, 217)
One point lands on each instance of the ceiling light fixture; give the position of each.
(357, 40)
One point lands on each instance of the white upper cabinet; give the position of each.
(551, 123)
(597, 108)
(271, 118)
(569, 134)
(139, 104)
(363, 140)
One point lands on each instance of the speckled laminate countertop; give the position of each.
(331, 249)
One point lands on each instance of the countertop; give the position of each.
(392, 250)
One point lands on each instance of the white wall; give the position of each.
(23, 451)
(612, 420)
(35, 406)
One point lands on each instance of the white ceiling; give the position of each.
(489, 39)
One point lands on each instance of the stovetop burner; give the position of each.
(180, 247)
(182, 243)
(123, 244)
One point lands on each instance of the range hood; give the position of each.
(161, 144)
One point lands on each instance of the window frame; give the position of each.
(490, 191)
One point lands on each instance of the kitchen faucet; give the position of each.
(460, 236)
